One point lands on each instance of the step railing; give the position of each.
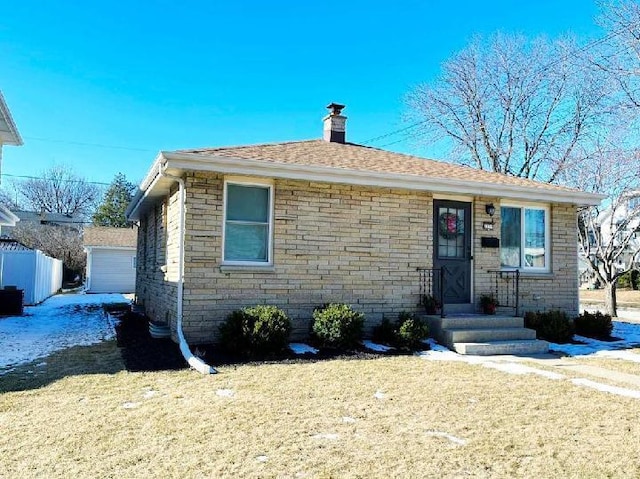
(432, 282)
(506, 288)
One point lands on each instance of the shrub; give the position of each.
(554, 326)
(630, 280)
(337, 325)
(594, 325)
(411, 331)
(257, 330)
(407, 332)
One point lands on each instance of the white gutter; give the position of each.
(195, 362)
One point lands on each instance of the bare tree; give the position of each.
(608, 234)
(59, 190)
(524, 108)
(619, 54)
(57, 241)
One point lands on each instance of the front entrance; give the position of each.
(452, 249)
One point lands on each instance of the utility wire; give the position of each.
(582, 49)
(68, 180)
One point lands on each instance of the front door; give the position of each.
(452, 249)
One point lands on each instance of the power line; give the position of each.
(68, 180)
(582, 49)
(95, 145)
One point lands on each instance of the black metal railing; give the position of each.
(506, 288)
(432, 289)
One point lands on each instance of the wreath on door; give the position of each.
(451, 225)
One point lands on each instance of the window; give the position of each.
(247, 223)
(525, 238)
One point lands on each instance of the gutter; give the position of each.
(193, 361)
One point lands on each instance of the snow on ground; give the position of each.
(301, 348)
(381, 348)
(62, 321)
(629, 334)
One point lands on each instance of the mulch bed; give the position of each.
(141, 352)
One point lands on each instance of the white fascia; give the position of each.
(270, 169)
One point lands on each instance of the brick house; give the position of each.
(299, 224)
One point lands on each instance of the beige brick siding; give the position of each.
(354, 244)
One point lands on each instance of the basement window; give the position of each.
(248, 222)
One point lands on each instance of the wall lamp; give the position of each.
(490, 209)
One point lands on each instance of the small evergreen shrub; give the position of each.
(554, 326)
(630, 280)
(407, 332)
(411, 331)
(258, 330)
(337, 325)
(594, 325)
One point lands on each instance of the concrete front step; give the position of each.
(522, 347)
(480, 322)
(477, 335)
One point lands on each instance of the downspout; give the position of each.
(195, 362)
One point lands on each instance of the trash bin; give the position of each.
(11, 301)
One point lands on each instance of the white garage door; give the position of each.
(112, 271)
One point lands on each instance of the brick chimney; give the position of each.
(334, 124)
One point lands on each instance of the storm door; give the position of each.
(452, 248)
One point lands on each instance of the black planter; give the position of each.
(11, 302)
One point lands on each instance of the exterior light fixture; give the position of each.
(490, 209)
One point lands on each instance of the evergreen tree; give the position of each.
(114, 203)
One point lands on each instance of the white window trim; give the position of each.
(247, 181)
(547, 237)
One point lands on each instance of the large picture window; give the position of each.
(525, 238)
(247, 223)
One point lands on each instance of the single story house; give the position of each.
(111, 259)
(303, 223)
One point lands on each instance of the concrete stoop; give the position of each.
(484, 335)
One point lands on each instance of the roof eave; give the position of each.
(177, 163)
(14, 137)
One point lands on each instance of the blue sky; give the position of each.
(102, 86)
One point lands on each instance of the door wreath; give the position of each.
(451, 225)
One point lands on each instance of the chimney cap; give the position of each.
(336, 108)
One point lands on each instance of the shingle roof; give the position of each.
(105, 236)
(351, 156)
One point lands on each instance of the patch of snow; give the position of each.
(379, 395)
(454, 439)
(515, 368)
(632, 393)
(629, 334)
(330, 436)
(226, 393)
(381, 348)
(62, 321)
(301, 348)
(261, 458)
(130, 405)
(348, 420)
(149, 394)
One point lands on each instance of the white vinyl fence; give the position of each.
(32, 271)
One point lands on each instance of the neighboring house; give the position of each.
(617, 223)
(44, 218)
(38, 275)
(111, 259)
(7, 220)
(303, 223)
(8, 131)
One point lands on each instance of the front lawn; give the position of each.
(387, 417)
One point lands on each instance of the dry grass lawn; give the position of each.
(392, 417)
(625, 297)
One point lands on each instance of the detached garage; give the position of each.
(111, 259)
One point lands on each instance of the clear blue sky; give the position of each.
(142, 76)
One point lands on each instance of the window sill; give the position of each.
(532, 274)
(250, 268)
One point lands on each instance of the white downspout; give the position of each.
(195, 362)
